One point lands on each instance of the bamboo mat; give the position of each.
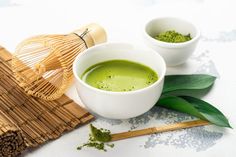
(26, 121)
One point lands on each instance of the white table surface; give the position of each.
(124, 21)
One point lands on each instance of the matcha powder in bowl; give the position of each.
(173, 37)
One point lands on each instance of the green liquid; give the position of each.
(119, 76)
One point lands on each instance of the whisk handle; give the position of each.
(92, 34)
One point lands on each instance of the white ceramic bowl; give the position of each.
(173, 53)
(119, 105)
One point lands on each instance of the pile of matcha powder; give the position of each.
(98, 139)
(173, 37)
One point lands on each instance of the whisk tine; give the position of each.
(46, 71)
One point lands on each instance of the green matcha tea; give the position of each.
(119, 76)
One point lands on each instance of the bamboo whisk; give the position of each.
(47, 60)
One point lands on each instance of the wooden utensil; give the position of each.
(42, 65)
(153, 130)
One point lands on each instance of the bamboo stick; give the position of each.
(153, 130)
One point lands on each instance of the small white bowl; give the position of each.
(173, 53)
(119, 105)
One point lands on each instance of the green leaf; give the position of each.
(187, 82)
(211, 113)
(195, 107)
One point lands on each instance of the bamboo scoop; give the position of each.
(42, 65)
(153, 130)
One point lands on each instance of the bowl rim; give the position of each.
(160, 78)
(172, 45)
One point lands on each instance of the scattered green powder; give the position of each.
(98, 139)
(173, 37)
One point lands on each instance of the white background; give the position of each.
(124, 21)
